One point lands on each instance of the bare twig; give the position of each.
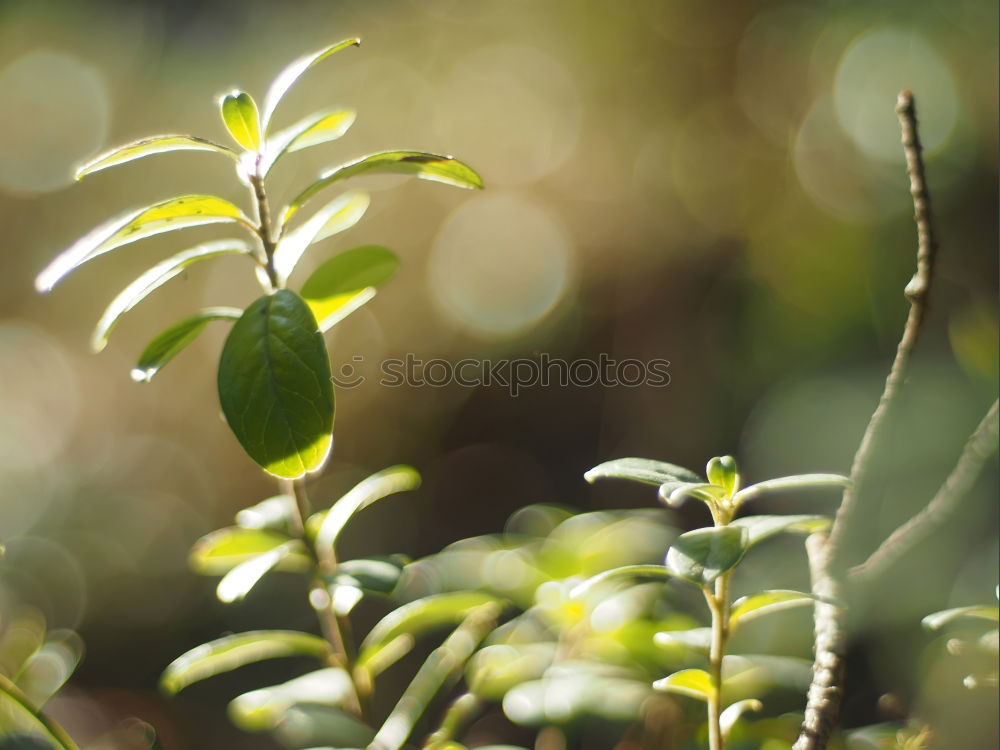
(827, 558)
(981, 445)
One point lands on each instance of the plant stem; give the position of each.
(264, 230)
(829, 568)
(718, 603)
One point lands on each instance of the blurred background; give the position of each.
(717, 184)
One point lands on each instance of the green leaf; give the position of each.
(938, 620)
(239, 581)
(733, 712)
(275, 387)
(643, 470)
(233, 651)
(157, 144)
(321, 127)
(311, 725)
(47, 669)
(327, 525)
(293, 71)
(699, 639)
(760, 528)
(346, 281)
(434, 167)
(221, 551)
(261, 710)
(694, 683)
(724, 472)
(766, 602)
(273, 513)
(801, 481)
(420, 616)
(378, 575)
(675, 494)
(239, 114)
(19, 715)
(658, 572)
(156, 277)
(172, 341)
(338, 215)
(702, 555)
(166, 216)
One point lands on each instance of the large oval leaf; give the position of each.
(275, 388)
(156, 277)
(346, 281)
(157, 144)
(233, 651)
(171, 341)
(317, 128)
(336, 216)
(239, 114)
(434, 167)
(292, 72)
(702, 555)
(166, 216)
(643, 470)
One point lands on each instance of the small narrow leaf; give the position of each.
(434, 167)
(643, 470)
(418, 617)
(699, 639)
(766, 602)
(327, 525)
(48, 668)
(939, 619)
(760, 528)
(338, 215)
(657, 572)
(20, 716)
(239, 114)
(378, 575)
(801, 481)
(239, 581)
(675, 494)
(321, 127)
(293, 71)
(702, 555)
(732, 714)
(694, 683)
(261, 710)
(156, 277)
(275, 388)
(170, 342)
(223, 550)
(157, 144)
(176, 213)
(273, 513)
(724, 472)
(234, 651)
(346, 281)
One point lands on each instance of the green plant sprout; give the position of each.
(706, 558)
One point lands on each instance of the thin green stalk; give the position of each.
(718, 603)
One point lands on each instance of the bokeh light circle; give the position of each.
(874, 69)
(500, 264)
(56, 115)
